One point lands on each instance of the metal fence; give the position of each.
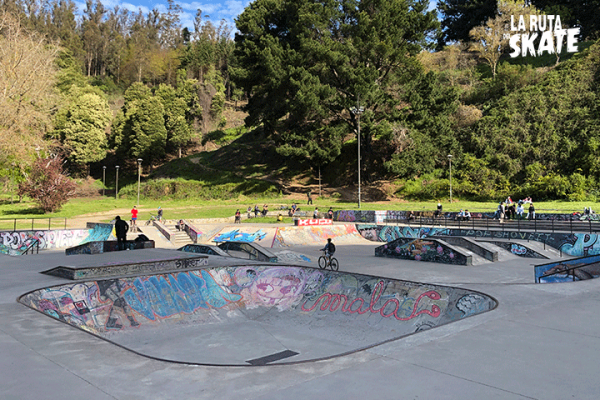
(33, 224)
(535, 225)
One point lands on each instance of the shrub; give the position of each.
(47, 184)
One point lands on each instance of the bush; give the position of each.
(47, 184)
(193, 189)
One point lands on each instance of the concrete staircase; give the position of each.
(177, 237)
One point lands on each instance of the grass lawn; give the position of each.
(106, 208)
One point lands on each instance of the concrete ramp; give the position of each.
(263, 236)
(254, 315)
(181, 262)
(100, 247)
(317, 235)
(426, 249)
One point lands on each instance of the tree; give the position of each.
(48, 184)
(27, 96)
(81, 126)
(491, 39)
(139, 130)
(179, 132)
(306, 65)
(460, 16)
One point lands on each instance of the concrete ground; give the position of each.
(541, 342)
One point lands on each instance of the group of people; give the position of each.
(512, 210)
(256, 210)
(122, 227)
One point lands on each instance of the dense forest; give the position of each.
(415, 85)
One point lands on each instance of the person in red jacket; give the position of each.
(134, 214)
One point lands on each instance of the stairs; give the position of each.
(177, 237)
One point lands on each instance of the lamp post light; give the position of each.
(103, 179)
(357, 111)
(117, 184)
(450, 160)
(139, 161)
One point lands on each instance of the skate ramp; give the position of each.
(263, 236)
(254, 315)
(428, 249)
(317, 235)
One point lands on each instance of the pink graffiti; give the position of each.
(334, 301)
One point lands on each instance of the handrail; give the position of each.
(572, 226)
(34, 242)
(571, 270)
(24, 223)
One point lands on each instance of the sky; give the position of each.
(215, 10)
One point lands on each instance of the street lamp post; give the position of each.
(450, 160)
(357, 111)
(103, 179)
(117, 184)
(139, 160)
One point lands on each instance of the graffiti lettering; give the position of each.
(333, 302)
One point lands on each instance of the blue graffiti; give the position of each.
(238, 236)
(186, 292)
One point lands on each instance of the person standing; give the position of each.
(134, 216)
(238, 216)
(330, 213)
(309, 195)
(121, 229)
(316, 213)
(438, 211)
(256, 211)
(160, 214)
(531, 214)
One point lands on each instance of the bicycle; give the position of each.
(330, 261)
(151, 219)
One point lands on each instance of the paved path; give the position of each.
(542, 342)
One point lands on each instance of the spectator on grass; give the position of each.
(256, 211)
(316, 213)
(238, 216)
(249, 210)
(330, 213)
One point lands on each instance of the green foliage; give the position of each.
(308, 65)
(179, 189)
(81, 126)
(428, 187)
(224, 136)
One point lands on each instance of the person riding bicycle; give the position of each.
(329, 248)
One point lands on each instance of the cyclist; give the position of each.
(160, 214)
(329, 249)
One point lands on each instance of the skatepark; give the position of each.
(371, 328)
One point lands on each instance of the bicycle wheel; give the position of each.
(322, 262)
(334, 264)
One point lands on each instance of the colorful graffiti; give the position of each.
(237, 236)
(422, 250)
(215, 295)
(576, 269)
(519, 250)
(15, 243)
(309, 235)
(354, 216)
(378, 216)
(573, 244)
